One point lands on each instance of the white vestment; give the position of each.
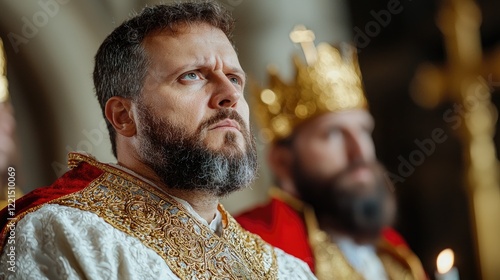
(61, 242)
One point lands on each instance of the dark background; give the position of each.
(433, 200)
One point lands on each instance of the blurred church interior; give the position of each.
(414, 79)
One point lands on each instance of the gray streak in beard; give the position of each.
(182, 161)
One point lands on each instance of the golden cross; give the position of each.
(462, 82)
(4, 91)
(305, 38)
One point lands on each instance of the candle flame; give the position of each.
(445, 261)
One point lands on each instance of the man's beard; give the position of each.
(184, 162)
(348, 207)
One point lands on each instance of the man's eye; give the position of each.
(333, 132)
(235, 80)
(190, 76)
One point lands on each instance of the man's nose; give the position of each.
(225, 94)
(358, 149)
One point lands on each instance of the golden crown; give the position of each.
(329, 82)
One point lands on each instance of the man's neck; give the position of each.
(203, 203)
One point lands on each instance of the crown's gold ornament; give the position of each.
(4, 90)
(330, 82)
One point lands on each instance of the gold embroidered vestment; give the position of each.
(190, 249)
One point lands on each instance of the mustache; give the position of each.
(223, 114)
(357, 164)
(375, 167)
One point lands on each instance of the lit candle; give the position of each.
(446, 270)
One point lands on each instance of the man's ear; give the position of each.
(118, 111)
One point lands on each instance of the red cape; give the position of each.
(72, 181)
(281, 226)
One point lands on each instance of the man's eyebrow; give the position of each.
(238, 71)
(173, 72)
(198, 65)
(244, 75)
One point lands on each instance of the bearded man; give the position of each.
(334, 205)
(171, 89)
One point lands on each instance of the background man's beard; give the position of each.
(184, 162)
(343, 207)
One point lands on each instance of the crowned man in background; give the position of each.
(170, 86)
(334, 205)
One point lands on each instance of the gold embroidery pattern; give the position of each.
(330, 263)
(189, 248)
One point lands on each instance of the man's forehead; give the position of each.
(179, 33)
(198, 41)
(347, 118)
(358, 114)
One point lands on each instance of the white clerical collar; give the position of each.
(215, 225)
(362, 257)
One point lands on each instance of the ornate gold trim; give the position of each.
(330, 262)
(20, 216)
(400, 262)
(189, 247)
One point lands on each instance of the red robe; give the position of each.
(283, 227)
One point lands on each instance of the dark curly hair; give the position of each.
(121, 62)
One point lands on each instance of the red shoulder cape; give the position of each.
(72, 181)
(281, 226)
